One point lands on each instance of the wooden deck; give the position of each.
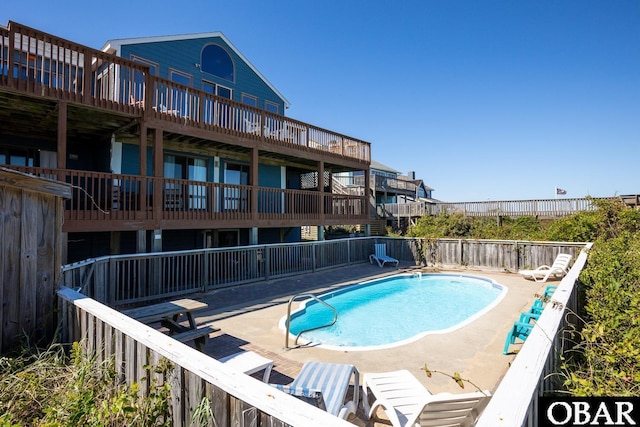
(68, 98)
(54, 69)
(116, 202)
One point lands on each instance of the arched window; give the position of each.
(216, 61)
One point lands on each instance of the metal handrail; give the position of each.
(288, 322)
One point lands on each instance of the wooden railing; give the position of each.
(99, 198)
(514, 402)
(547, 208)
(403, 210)
(536, 369)
(196, 380)
(121, 280)
(381, 183)
(43, 65)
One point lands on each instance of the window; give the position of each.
(216, 89)
(249, 100)
(224, 92)
(236, 199)
(215, 112)
(17, 157)
(179, 101)
(137, 92)
(215, 60)
(182, 167)
(271, 107)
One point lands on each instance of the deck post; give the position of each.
(62, 135)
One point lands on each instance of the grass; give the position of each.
(54, 388)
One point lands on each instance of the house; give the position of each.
(170, 143)
(393, 196)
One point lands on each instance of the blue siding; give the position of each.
(131, 162)
(279, 235)
(183, 55)
(269, 176)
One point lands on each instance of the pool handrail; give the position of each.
(288, 321)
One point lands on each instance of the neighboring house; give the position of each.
(387, 185)
(393, 195)
(171, 143)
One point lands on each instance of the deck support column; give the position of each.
(367, 193)
(142, 159)
(62, 135)
(158, 172)
(321, 190)
(156, 243)
(253, 181)
(115, 238)
(141, 241)
(253, 236)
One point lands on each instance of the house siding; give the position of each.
(183, 55)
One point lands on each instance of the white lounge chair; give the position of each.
(380, 255)
(407, 403)
(325, 385)
(559, 268)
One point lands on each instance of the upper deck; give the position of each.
(110, 93)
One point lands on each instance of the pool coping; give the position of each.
(473, 317)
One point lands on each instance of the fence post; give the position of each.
(267, 262)
(102, 282)
(205, 271)
(313, 256)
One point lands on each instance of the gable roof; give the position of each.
(114, 46)
(382, 167)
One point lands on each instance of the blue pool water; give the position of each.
(395, 310)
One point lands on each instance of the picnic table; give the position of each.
(170, 314)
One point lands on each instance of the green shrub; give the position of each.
(50, 389)
(605, 359)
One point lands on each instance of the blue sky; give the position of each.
(484, 100)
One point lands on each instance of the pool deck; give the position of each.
(248, 317)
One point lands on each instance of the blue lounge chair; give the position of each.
(325, 385)
(519, 330)
(380, 255)
(549, 290)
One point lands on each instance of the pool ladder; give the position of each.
(293, 298)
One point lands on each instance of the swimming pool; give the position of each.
(396, 310)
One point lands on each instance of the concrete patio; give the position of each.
(248, 317)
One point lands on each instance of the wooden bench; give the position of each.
(199, 335)
(169, 309)
(169, 313)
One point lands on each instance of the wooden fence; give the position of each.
(30, 256)
(235, 399)
(122, 280)
(536, 369)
